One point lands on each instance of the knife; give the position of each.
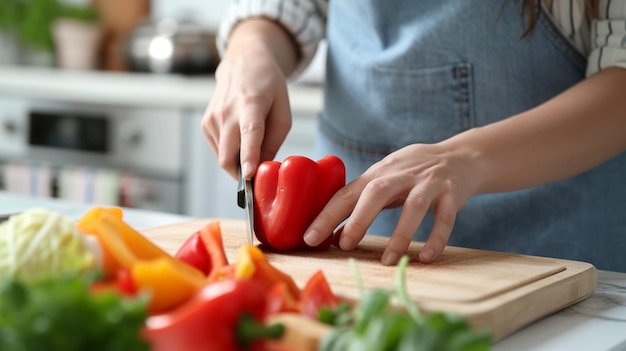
(245, 200)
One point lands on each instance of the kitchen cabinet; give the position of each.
(155, 131)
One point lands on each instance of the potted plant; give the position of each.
(77, 37)
(31, 23)
(8, 34)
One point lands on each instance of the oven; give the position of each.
(117, 155)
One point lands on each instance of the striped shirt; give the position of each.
(601, 39)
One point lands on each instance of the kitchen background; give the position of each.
(101, 102)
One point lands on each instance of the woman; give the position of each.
(513, 142)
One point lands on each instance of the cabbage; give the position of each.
(40, 242)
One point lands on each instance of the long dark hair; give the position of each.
(529, 12)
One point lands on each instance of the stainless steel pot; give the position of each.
(170, 46)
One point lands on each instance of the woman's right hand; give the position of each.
(248, 116)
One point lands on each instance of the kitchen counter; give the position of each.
(125, 88)
(597, 323)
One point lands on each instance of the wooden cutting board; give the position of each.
(500, 291)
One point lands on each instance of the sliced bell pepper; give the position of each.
(289, 195)
(317, 294)
(253, 265)
(204, 249)
(211, 235)
(280, 300)
(122, 245)
(122, 284)
(223, 316)
(194, 253)
(169, 280)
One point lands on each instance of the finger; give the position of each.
(252, 129)
(445, 217)
(413, 211)
(208, 127)
(335, 212)
(209, 134)
(277, 126)
(228, 145)
(375, 196)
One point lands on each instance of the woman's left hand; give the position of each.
(419, 177)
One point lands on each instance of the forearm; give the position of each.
(264, 36)
(569, 134)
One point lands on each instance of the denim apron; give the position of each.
(401, 72)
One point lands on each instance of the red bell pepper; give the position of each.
(289, 195)
(280, 299)
(224, 316)
(317, 294)
(194, 253)
(204, 249)
(122, 283)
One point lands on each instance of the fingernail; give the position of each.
(312, 237)
(345, 243)
(246, 169)
(426, 255)
(390, 258)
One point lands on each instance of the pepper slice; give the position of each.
(204, 249)
(289, 195)
(253, 265)
(122, 245)
(223, 316)
(169, 280)
(317, 294)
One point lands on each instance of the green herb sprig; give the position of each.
(375, 325)
(59, 313)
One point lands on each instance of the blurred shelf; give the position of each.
(122, 88)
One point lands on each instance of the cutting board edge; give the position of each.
(581, 275)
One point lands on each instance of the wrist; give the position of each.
(261, 36)
(471, 160)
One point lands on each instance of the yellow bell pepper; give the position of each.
(169, 280)
(252, 264)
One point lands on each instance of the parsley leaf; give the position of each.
(59, 313)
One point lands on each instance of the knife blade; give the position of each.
(245, 200)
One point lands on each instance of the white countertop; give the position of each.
(117, 88)
(597, 323)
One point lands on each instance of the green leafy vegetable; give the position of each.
(59, 313)
(377, 326)
(40, 242)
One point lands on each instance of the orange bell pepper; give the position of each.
(211, 235)
(122, 245)
(170, 281)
